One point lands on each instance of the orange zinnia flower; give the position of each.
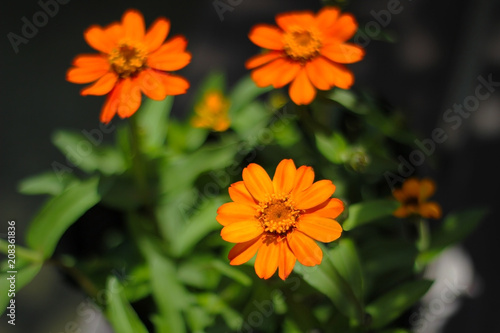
(131, 60)
(413, 196)
(212, 111)
(307, 50)
(279, 218)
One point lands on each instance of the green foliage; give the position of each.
(161, 182)
(388, 307)
(59, 213)
(369, 211)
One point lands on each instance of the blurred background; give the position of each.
(440, 49)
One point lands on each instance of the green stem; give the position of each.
(138, 165)
(423, 241)
(81, 279)
(21, 252)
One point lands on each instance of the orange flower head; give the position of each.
(130, 61)
(413, 197)
(212, 112)
(279, 219)
(307, 51)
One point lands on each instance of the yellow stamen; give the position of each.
(128, 58)
(302, 44)
(278, 214)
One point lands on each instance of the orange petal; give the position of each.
(342, 77)
(257, 182)
(286, 260)
(267, 36)
(301, 90)
(304, 177)
(344, 28)
(156, 34)
(277, 73)
(239, 193)
(101, 86)
(306, 250)
(430, 210)
(133, 25)
(98, 39)
(399, 195)
(427, 189)
(115, 32)
(240, 232)
(293, 19)
(174, 84)
(284, 177)
(130, 98)
(111, 105)
(242, 252)
(169, 61)
(345, 53)
(314, 195)
(411, 188)
(319, 74)
(267, 259)
(91, 60)
(262, 59)
(326, 18)
(331, 208)
(401, 212)
(152, 85)
(85, 74)
(175, 45)
(232, 212)
(319, 228)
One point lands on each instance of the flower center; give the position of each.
(128, 59)
(278, 215)
(302, 44)
(411, 202)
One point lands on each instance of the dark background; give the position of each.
(441, 49)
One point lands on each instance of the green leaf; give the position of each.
(168, 292)
(120, 313)
(231, 272)
(45, 183)
(250, 119)
(347, 99)
(335, 148)
(243, 93)
(327, 280)
(24, 276)
(59, 213)
(455, 228)
(196, 227)
(214, 304)
(88, 155)
(152, 120)
(369, 211)
(390, 306)
(180, 173)
(345, 258)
